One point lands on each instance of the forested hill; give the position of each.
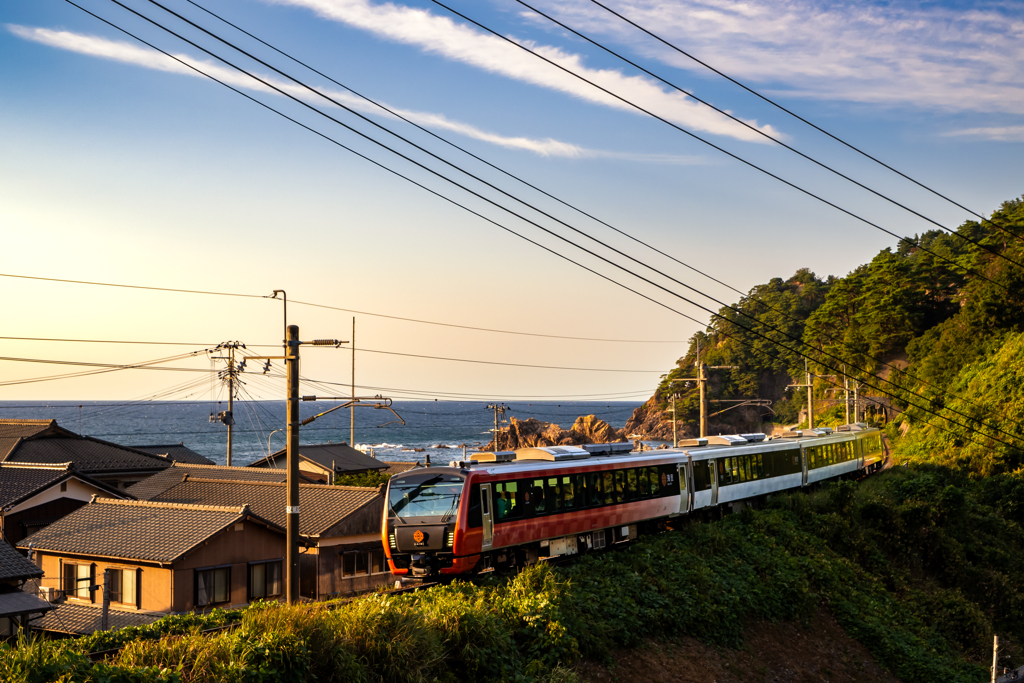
(946, 309)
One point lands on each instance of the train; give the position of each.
(499, 510)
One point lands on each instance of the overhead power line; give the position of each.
(534, 187)
(718, 148)
(816, 127)
(943, 417)
(760, 132)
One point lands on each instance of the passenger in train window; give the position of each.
(553, 495)
(643, 486)
(537, 497)
(654, 478)
(620, 486)
(568, 493)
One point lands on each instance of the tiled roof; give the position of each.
(177, 452)
(18, 603)
(25, 428)
(18, 480)
(153, 486)
(81, 620)
(88, 454)
(399, 467)
(341, 456)
(14, 566)
(136, 530)
(321, 506)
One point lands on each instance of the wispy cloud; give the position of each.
(901, 53)
(129, 53)
(460, 42)
(1006, 133)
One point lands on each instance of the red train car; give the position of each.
(474, 516)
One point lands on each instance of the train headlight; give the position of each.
(392, 541)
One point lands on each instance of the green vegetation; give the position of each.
(371, 479)
(917, 564)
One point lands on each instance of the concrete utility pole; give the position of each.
(675, 436)
(846, 396)
(856, 402)
(352, 410)
(105, 615)
(809, 385)
(292, 439)
(498, 408)
(995, 657)
(231, 374)
(702, 387)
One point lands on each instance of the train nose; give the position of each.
(423, 565)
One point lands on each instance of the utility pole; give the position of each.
(352, 410)
(675, 436)
(995, 657)
(856, 402)
(846, 394)
(702, 387)
(292, 439)
(231, 375)
(810, 394)
(105, 614)
(498, 408)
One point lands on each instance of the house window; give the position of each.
(123, 586)
(265, 580)
(78, 581)
(213, 586)
(362, 562)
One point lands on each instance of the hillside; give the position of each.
(927, 317)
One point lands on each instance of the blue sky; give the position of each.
(119, 165)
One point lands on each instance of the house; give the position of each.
(321, 462)
(340, 526)
(399, 467)
(177, 452)
(44, 441)
(35, 495)
(163, 557)
(17, 607)
(165, 479)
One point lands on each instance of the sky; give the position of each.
(120, 164)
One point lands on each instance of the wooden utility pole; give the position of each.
(292, 509)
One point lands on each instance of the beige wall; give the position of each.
(171, 589)
(154, 582)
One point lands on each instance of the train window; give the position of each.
(735, 469)
(568, 493)
(620, 486)
(593, 488)
(475, 518)
(507, 503)
(643, 485)
(553, 495)
(608, 487)
(536, 496)
(631, 485)
(654, 480)
(748, 475)
(760, 466)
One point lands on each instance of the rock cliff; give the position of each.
(532, 433)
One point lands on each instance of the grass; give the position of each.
(913, 565)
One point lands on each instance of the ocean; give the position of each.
(439, 428)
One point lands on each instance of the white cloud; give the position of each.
(460, 42)
(129, 53)
(899, 53)
(1007, 133)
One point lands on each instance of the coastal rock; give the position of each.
(533, 433)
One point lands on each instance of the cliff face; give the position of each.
(533, 433)
(651, 423)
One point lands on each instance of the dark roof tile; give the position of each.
(80, 620)
(88, 455)
(136, 530)
(342, 457)
(322, 506)
(153, 486)
(14, 566)
(18, 603)
(177, 452)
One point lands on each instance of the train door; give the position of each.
(803, 465)
(685, 488)
(488, 519)
(713, 470)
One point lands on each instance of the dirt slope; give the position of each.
(821, 652)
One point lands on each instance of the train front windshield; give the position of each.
(425, 495)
